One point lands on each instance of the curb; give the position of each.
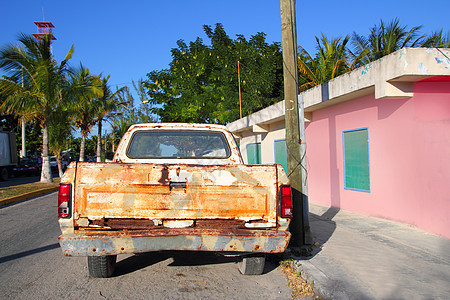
(306, 264)
(27, 195)
(314, 276)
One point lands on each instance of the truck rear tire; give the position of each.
(4, 174)
(101, 266)
(252, 265)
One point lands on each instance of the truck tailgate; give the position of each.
(177, 192)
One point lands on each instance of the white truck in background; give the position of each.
(8, 154)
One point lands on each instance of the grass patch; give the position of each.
(300, 288)
(16, 190)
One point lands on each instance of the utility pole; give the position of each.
(239, 81)
(293, 142)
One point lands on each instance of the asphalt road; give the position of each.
(33, 267)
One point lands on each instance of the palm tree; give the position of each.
(144, 114)
(384, 40)
(43, 85)
(59, 133)
(437, 40)
(84, 101)
(106, 104)
(330, 61)
(120, 126)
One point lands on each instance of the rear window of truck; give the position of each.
(178, 144)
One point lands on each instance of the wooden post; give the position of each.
(239, 80)
(290, 71)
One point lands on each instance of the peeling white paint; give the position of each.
(260, 225)
(179, 175)
(220, 177)
(178, 223)
(441, 60)
(422, 69)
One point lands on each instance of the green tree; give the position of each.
(383, 40)
(201, 84)
(90, 148)
(120, 126)
(129, 113)
(330, 61)
(87, 90)
(144, 109)
(43, 85)
(107, 104)
(60, 131)
(437, 39)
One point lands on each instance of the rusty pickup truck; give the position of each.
(174, 186)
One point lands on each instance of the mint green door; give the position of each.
(280, 153)
(254, 154)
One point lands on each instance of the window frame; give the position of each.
(226, 143)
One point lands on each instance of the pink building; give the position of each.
(378, 139)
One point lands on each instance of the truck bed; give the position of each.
(174, 192)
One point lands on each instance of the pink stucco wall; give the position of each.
(409, 153)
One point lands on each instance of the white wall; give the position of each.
(275, 132)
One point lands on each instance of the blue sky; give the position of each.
(127, 39)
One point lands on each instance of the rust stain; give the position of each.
(219, 224)
(164, 175)
(133, 200)
(103, 234)
(83, 243)
(119, 224)
(142, 191)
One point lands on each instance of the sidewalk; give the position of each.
(360, 257)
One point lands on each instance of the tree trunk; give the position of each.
(59, 161)
(83, 143)
(46, 173)
(99, 141)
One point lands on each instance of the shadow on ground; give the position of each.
(180, 258)
(322, 228)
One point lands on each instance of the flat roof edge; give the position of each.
(391, 76)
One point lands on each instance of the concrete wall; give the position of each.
(275, 131)
(404, 101)
(409, 154)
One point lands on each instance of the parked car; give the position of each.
(27, 167)
(35, 166)
(53, 164)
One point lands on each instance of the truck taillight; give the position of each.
(64, 200)
(286, 201)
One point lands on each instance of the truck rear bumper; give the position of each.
(111, 243)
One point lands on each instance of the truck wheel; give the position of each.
(4, 174)
(101, 266)
(252, 265)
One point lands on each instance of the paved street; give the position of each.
(33, 267)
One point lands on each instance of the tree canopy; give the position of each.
(201, 83)
(35, 85)
(335, 57)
